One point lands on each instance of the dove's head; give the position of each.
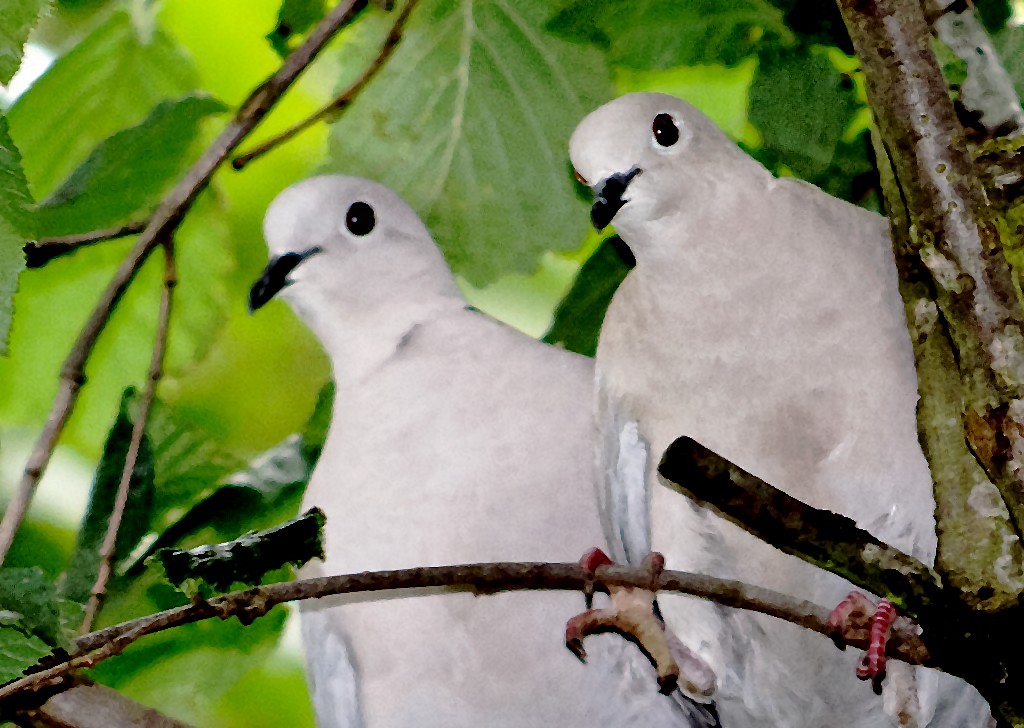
(347, 252)
(647, 155)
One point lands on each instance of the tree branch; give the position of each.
(84, 704)
(156, 371)
(40, 252)
(827, 540)
(161, 226)
(950, 245)
(335, 108)
(253, 603)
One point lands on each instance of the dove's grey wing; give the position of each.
(623, 457)
(331, 673)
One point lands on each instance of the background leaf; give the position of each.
(15, 225)
(17, 18)
(802, 105)
(126, 172)
(578, 318)
(654, 34)
(19, 650)
(127, 75)
(475, 153)
(30, 594)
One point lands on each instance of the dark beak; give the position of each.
(608, 197)
(275, 277)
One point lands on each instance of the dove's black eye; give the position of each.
(359, 219)
(666, 133)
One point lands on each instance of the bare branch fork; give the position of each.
(334, 108)
(491, 578)
(160, 226)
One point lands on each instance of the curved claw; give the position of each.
(631, 615)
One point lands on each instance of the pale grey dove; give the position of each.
(763, 320)
(454, 439)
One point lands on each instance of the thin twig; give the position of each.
(251, 604)
(164, 222)
(340, 102)
(156, 372)
(40, 252)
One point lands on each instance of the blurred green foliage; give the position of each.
(468, 120)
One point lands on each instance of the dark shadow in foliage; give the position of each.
(580, 314)
(994, 13)
(84, 564)
(816, 22)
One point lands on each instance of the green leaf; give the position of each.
(109, 81)
(247, 559)
(84, 564)
(18, 651)
(30, 599)
(189, 465)
(128, 171)
(654, 34)
(954, 68)
(314, 434)
(480, 153)
(271, 486)
(802, 106)
(580, 314)
(206, 492)
(15, 225)
(1009, 44)
(12, 262)
(294, 19)
(17, 18)
(15, 199)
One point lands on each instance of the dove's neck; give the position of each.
(360, 333)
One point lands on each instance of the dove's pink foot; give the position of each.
(872, 664)
(631, 615)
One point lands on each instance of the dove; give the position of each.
(454, 439)
(762, 319)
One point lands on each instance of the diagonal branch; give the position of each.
(40, 252)
(156, 371)
(334, 109)
(491, 578)
(827, 540)
(162, 224)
